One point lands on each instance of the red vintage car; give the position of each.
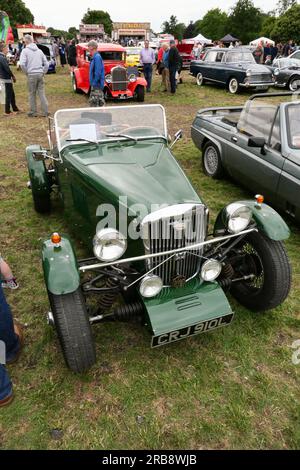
(120, 82)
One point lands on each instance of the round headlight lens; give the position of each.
(276, 72)
(238, 217)
(248, 73)
(151, 286)
(109, 244)
(210, 270)
(108, 78)
(132, 77)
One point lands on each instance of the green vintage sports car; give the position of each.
(146, 230)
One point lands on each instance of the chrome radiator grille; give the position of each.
(260, 78)
(119, 79)
(174, 231)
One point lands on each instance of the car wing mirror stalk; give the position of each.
(43, 154)
(258, 142)
(177, 137)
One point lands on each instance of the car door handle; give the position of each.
(234, 139)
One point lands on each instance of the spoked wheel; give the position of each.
(294, 83)
(267, 262)
(199, 79)
(74, 330)
(74, 85)
(211, 161)
(233, 86)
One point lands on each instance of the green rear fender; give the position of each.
(268, 221)
(39, 179)
(60, 267)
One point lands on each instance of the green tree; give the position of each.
(283, 5)
(173, 27)
(214, 24)
(17, 11)
(189, 31)
(268, 25)
(245, 21)
(287, 25)
(73, 31)
(98, 17)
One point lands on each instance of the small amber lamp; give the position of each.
(55, 238)
(259, 200)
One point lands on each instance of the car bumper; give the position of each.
(257, 84)
(280, 85)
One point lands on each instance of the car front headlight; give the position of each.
(151, 286)
(109, 244)
(238, 217)
(248, 73)
(210, 270)
(276, 72)
(132, 78)
(108, 78)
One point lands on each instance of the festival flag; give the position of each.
(4, 26)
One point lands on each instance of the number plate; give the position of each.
(261, 87)
(193, 330)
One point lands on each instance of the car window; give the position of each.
(219, 56)
(296, 55)
(257, 118)
(239, 56)
(211, 56)
(293, 125)
(275, 138)
(112, 55)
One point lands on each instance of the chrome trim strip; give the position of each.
(166, 253)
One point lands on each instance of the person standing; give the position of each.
(11, 339)
(147, 59)
(97, 75)
(174, 62)
(8, 78)
(62, 53)
(72, 55)
(165, 72)
(34, 63)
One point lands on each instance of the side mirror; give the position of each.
(177, 137)
(257, 142)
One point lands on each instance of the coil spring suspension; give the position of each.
(107, 300)
(226, 276)
(129, 311)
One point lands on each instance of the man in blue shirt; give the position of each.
(97, 75)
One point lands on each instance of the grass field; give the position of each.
(235, 388)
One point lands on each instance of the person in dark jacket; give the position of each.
(97, 75)
(174, 61)
(62, 54)
(7, 78)
(72, 55)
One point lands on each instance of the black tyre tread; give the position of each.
(220, 171)
(74, 330)
(42, 204)
(277, 272)
(295, 77)
(140, 93)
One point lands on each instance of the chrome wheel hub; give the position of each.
(211, 160)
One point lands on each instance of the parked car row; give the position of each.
(236, 69)
(158, 254)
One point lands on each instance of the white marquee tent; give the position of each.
(262, 40)
(198, 38)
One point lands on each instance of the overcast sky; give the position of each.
(61, 14)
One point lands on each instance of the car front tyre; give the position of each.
(211, 161)
(74, 330)
(294, 83)
(42, 204)
(74, 85)
(140, 93)
(233, 86)
(268, 260)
